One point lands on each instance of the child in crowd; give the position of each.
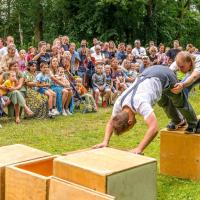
(129, 71)
(22, 62)
(153, 57)
(60, 75)
(120, 81)
(99, 85)
(109, 83)
(65, 60)
(90, 70)
(43, 87)
(9, 83)
(6, 86)
(31, 53)
(89, 100)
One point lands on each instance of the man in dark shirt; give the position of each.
(171, 54)
(42, 56)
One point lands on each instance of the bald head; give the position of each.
(185, 61)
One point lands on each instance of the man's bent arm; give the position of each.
(191, 79)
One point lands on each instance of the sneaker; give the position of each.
(64, 112)
(68, 112)
(55, 111)
(94, 109)
(104, 104)
(198, 127)
(190, 130)
(51, 113)
(172, 126)
(85, 111)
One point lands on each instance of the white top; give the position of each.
(100, 57)
(92, 49)
(139, 52)
(174, 66)
(4, 51)
(147, 94)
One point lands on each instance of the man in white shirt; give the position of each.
(138, 51)
(152, 86)
(190, 65)
(98, 56)
(4, 50)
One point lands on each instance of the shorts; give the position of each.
(42, 90)
(107, 88)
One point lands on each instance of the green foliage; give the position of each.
(119, 20)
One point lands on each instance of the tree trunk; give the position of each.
(150, 21)
(20, 31)
(38, 29)
(183, 7)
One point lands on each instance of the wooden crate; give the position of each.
(29, 180)
(62, 190)
(180, 154)
(118, 173)
(15, 154)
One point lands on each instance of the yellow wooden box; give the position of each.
(29, 180)
(121, 174)
(180, 154)
(15, 154)
(64, 190)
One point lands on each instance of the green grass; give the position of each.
(81, 131)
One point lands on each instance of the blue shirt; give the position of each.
(120, 55)
(43, 78)
(75, 56)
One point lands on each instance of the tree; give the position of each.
(118, 20)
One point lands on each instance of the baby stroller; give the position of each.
(77, 102)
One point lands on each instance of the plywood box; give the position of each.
(14, 154)
(64, 190)
(29, 180)
(121, 174)
(180, 154)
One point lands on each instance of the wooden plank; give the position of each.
(18, 153)
(29, 180)
(105, 161)
(62, 190)
(97, 169)
(15, 154)
(134, 184)
(80, 176)
(2, 183)
(20, 185)
(180, 154)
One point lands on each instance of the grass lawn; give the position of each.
(81, 131)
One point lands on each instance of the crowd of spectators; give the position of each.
(54, 79)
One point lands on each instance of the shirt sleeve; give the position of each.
(116, 108)
(38, 78)
(174, 66)
(197, 64)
